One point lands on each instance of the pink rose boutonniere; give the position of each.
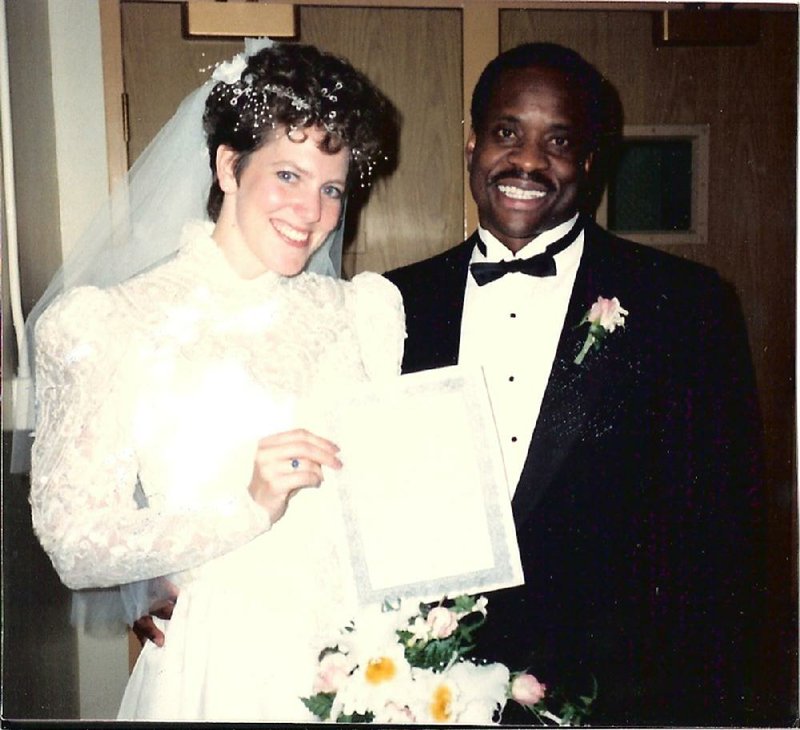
(603, 317)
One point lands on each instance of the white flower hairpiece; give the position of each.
(242, 91)
(230, 71)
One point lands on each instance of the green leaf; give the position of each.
(356, 717)
(584, 319)
(404, 636)
(598, 331)
(320, 704)
(327, 650)
(464, 603)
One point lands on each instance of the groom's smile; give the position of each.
(528, 161)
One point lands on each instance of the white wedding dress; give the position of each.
(170, 379)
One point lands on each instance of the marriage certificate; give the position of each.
(423, 491)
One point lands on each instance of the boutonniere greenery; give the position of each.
(603, 317)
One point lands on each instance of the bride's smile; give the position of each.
(280, 206)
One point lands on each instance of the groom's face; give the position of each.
(528, 162)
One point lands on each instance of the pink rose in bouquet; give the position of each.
(333, 670)
(442, 622)
(527, 690)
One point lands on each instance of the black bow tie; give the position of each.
(543, 264)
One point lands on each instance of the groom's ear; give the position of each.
(226, 161)
(469, 148)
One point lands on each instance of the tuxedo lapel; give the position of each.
(573, 391)
(450, 305)
(433, 295)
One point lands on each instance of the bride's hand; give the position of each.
(286, 462)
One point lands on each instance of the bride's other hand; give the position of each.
(286, 462)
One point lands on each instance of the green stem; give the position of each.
(590, 340)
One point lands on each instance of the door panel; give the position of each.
(419, 210)
(418, 65)
(161, 67)
(747, 95)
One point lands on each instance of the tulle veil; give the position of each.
(136, 228)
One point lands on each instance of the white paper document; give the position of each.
(424, 496)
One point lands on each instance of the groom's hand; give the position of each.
(287, 462)
(144, 627)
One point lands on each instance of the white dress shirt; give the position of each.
(511, 327)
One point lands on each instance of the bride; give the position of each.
(180, 411)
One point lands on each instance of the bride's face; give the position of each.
(287, 200)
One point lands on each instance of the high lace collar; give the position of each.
(215, 269)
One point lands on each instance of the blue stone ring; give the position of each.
(295, 463)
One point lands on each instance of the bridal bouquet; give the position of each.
(405, 663)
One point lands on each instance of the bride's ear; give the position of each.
(226, 168)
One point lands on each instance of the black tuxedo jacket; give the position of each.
(637, 511)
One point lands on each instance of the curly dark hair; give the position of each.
(595, 92)
(298, 87)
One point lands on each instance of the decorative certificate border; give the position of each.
(423, 491)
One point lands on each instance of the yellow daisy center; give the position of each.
(380, 670)
(442, 700)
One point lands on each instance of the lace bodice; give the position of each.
(152, 394)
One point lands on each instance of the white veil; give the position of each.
(136, 228)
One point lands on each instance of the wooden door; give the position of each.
(418, 65)
(747, 96)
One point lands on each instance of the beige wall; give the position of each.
(56, 96)
(8, 347)
(57, 109)
(34, 148)
(33, 119)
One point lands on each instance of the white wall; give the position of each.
(58, 117)
(82, 166)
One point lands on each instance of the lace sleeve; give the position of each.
(380, 320)
(84, 467)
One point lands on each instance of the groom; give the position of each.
(634, 468)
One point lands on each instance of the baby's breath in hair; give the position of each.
(297, 87)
